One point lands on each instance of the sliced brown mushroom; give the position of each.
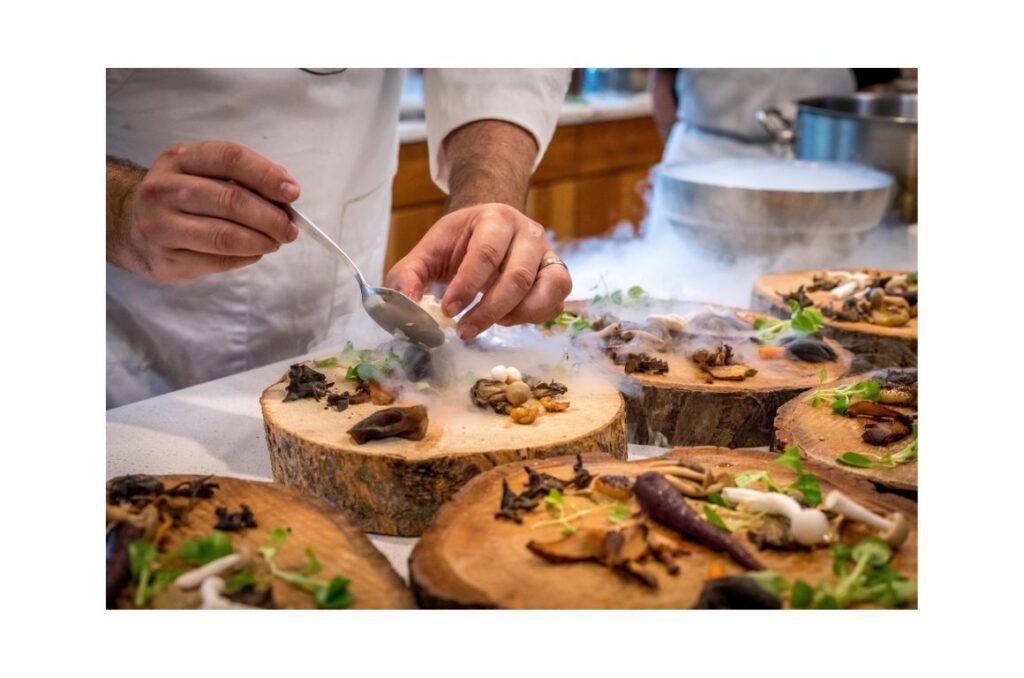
(872, 410)
(583, 544)
(629, 543)
(616, 487)
(401, 422)
(380, 395)
(885, 432)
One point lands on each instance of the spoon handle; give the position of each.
(303, 222)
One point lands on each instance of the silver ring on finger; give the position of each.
(551, 261)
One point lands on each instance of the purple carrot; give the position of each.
(664, 504)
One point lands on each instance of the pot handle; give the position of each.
(778, 127)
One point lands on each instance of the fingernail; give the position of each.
(467, 331)
(536, 229)
(293, 233)
(453, 308)
(289, 190)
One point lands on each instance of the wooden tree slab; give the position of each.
(469, 559)
(823, 436)
(395, 486)
(873, 345)
(340, 547)
(680, 408)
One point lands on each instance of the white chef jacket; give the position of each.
(336, 132)
(717, 107)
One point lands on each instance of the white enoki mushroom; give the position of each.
(856, 281)
(894, 531)
(210, 596)
(808, 526)
(194, 578)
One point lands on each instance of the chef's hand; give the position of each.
(491, 248)
(201, 208)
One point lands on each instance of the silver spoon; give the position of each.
(399, 315)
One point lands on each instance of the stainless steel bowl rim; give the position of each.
(813, 105)
(886, 180)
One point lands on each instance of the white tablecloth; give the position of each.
(217, 428)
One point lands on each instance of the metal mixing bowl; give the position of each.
(755, 205)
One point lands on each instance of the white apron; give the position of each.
(337, 134)
(717, 107)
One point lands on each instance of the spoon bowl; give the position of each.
(397, 314)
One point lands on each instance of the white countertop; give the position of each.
(576, 112)
(217, 428)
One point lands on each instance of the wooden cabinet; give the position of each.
(593, 176)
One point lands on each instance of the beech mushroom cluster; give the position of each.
(888, 301)
(808, 526)
(893, 530)
(521, 398)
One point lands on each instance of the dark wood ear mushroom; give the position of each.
(402, 422)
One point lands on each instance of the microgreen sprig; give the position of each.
(801, 321)
(841, 397)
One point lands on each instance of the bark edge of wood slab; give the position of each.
(669, 412)
(437, 564)
(384, 487)
(873, 346)
(373, 582)
(822, 436)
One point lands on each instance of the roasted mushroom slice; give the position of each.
(401, 422)
(616, 487)
(873, 410)
(884, 432)
(583, 544)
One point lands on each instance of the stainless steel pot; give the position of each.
(879, 130)
(763, 205)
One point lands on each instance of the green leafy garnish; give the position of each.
(312, 564)
(370, 366)
(239, 581)
(635, 296)
(576, 323)
(199, 552)
(326, 362)
(556, 504)
(333, 594)
(715, 519)
(841, 397)
(801, 321)
(806, 483)
(887, 460)
(863, 575)
(717, 498)
(147, 571)
(619, 513)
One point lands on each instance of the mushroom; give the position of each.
(844, 290)
(499, 373)
(518, 392)
(893, 531)
(607, 330)
(670, 322)
(647, 340)
(404, 422)
(214, 568)
(210, 594)
(513, 374)
(807, 525)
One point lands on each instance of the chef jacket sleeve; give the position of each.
(529, 97)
